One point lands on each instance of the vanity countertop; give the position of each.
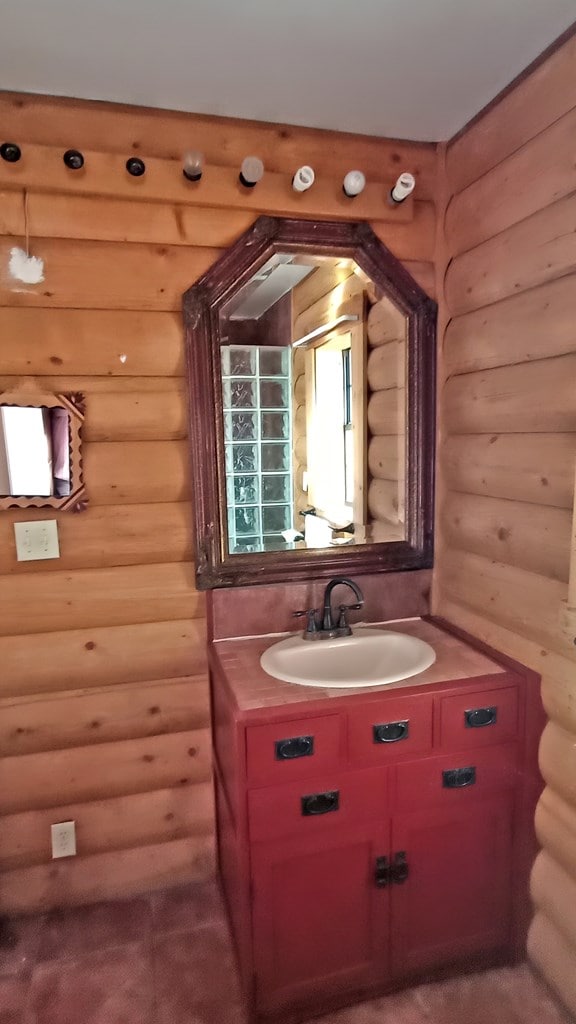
(254, 689)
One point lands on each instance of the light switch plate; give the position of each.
(37, 540)
(63, 835)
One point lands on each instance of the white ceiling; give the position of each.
(415, 69)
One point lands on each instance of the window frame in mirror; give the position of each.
(202, 304)
(28, 395)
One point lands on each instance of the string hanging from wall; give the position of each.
(21, 265)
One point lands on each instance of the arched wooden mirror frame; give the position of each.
(202, 304)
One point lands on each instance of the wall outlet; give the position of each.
(63, 839)
(37, 540)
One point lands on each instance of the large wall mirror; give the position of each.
(311, 378)
(40, 449)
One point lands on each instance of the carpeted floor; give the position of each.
(166, 959)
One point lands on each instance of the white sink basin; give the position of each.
(370, 657)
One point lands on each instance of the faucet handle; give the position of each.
(342, 620)
(311, 625)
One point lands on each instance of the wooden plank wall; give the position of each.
(508, 436)
(103, 688)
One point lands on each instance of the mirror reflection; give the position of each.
(313, 361)
(34, 451)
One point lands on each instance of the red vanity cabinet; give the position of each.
(372, 839)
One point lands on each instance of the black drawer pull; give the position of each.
(476, 718)
(295, 746)
(391, 732)
(458, 778)
(320, 803)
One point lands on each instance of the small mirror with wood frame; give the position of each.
(41, 449)
(311, 383)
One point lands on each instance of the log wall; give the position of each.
(386, 381)
(508, 436)
(103, 689)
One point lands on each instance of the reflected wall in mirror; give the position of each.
(40, 449)
(311, 369)
(313, 374)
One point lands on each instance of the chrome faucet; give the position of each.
(327, 628)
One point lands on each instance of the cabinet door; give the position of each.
(456, 901)
(320, 919)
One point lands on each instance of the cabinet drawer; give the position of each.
(384, 731)
(478, 719)
(292, 750)
(320, 804)
(453, 777)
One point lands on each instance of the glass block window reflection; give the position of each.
(258, 442)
